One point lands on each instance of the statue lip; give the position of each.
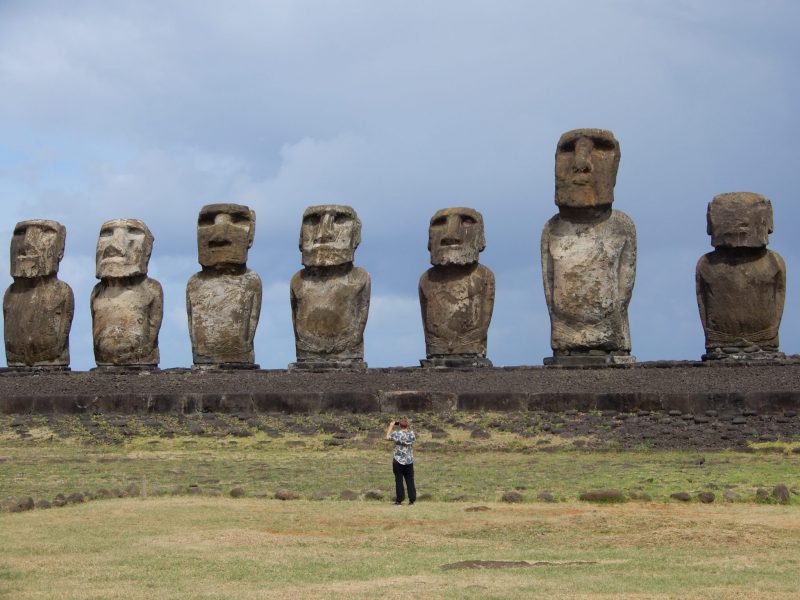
(219, 243)
(580, 180)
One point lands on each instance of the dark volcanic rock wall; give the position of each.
(688, 387)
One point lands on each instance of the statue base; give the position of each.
(588, 359)
(115, 369)
(733, 354)
(328, 364)
(36, 369)
(455, 361)
(225, 366)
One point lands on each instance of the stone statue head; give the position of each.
(329, 235)
(586, 168)
(455, 236)
(37, 248)
(225, 233)
(123, 249)
(739, 220)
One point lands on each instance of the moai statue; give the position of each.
(588, 255)
(741, 286)
(456, 295)
(127, 305)
(223, 301)
(330, 295)
(37, 307)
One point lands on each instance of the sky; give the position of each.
(150, 110)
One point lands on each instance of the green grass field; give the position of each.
(170, 540)
(223, 548)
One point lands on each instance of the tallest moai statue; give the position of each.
(588, 255)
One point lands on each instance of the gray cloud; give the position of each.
(151, 110)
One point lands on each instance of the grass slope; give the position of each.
(208, 548)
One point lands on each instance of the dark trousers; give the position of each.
(404, 472)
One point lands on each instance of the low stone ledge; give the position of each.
(683, 387)
(417, 401)
(500, 401)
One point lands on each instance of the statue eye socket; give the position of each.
(106, 233)
(239, 218)
(311, 219)
(439, 222)
(20, 232)
(468, 219)
(341, 218)
(206, 219)
(603, 144)
(567, 146)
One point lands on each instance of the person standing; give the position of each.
(402, 459)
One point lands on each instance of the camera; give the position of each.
(397, 423)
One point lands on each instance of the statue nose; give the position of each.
(114, 249)
(583, 160)
(31, 239)
(452, 235)
(582, 164)
(325, 230)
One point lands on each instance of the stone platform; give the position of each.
(765, 387)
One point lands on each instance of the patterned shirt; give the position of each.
(403, 439)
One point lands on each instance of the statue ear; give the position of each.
(708, 220)
(62, 242)
(357, 233)
(769, 217)
(252, 233)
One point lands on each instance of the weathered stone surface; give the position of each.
(286, 495)
(641, 496)
(730, 388)
(21, 505)
(348, 495)
(512, 497)
(37, 307)
(223, 301)
(456, 295)
(741, 285)
(730, 496)
(781, 494)
(588, 254)
(127, 305)
(610, 495)
(330, 296)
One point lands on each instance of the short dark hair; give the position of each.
(403, 422)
